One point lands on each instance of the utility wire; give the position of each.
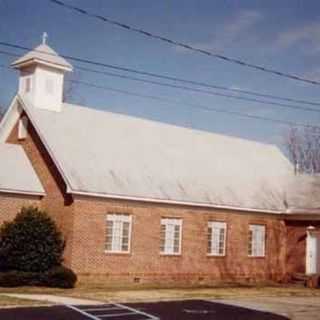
(175, 79)
(195, 106)
(184, 45)
(248, 99)
(181, 103)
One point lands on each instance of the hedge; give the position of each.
(57, 277)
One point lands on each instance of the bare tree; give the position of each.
(303, 146)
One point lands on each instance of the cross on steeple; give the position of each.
(44, 38)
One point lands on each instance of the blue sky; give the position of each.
(284, 35)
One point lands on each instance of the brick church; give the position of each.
(145, 201)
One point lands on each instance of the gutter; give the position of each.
(165, 201)
(23, 192)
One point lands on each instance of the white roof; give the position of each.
(16, 172)
(43, 53)
(304, 192)
(110, 154)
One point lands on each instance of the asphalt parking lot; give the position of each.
(169, 310)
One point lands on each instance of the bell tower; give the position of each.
(41, 77)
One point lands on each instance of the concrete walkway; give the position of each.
(53, 299)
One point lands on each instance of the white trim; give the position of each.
(40, 61)
(177, 202)
(9, 119)
(43, 140)
(25, 192)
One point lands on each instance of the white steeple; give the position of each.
(42, 75)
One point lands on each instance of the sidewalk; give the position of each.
(53, 299)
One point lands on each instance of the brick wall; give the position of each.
(10, 204)
(145, 262)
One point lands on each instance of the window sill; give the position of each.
(163, 254)
(216, 256)
(118, 253)
(256, 257)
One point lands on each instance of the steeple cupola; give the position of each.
(41, 76)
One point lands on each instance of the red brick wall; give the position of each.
(144, 260)
(10, 204)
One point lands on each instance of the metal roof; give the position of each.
(109, 154)
(16, 172)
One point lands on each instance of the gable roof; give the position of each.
(112, 155)
(43, 53)
(16, 172)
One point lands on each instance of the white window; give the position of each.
(170, 237)
(50, 86)
(23, 128)
(118, 233)
(27, 85)
(217, 238)
(256, 240)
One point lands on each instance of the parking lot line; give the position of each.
(149, 316)
(123, 311)
(101, 309)
(117, 314)
(90, 316)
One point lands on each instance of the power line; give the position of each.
(195, 106)
(248, 99)
(184, 45)
(179, 103)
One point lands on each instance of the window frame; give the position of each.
(177, 222)
(210, 225)
(253, 227)
(23, 128)
(116, 217)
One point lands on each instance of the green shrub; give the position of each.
(60, 277)
(57, 277)
(18, 278)
(30, 243)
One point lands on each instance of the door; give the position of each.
(312, 252)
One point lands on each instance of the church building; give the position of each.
(142, 201)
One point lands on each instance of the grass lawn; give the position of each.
(103, 293)
(13, 302)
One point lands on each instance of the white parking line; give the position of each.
(82, 312)
(149, 316)
(101, 309)
(126, 311)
